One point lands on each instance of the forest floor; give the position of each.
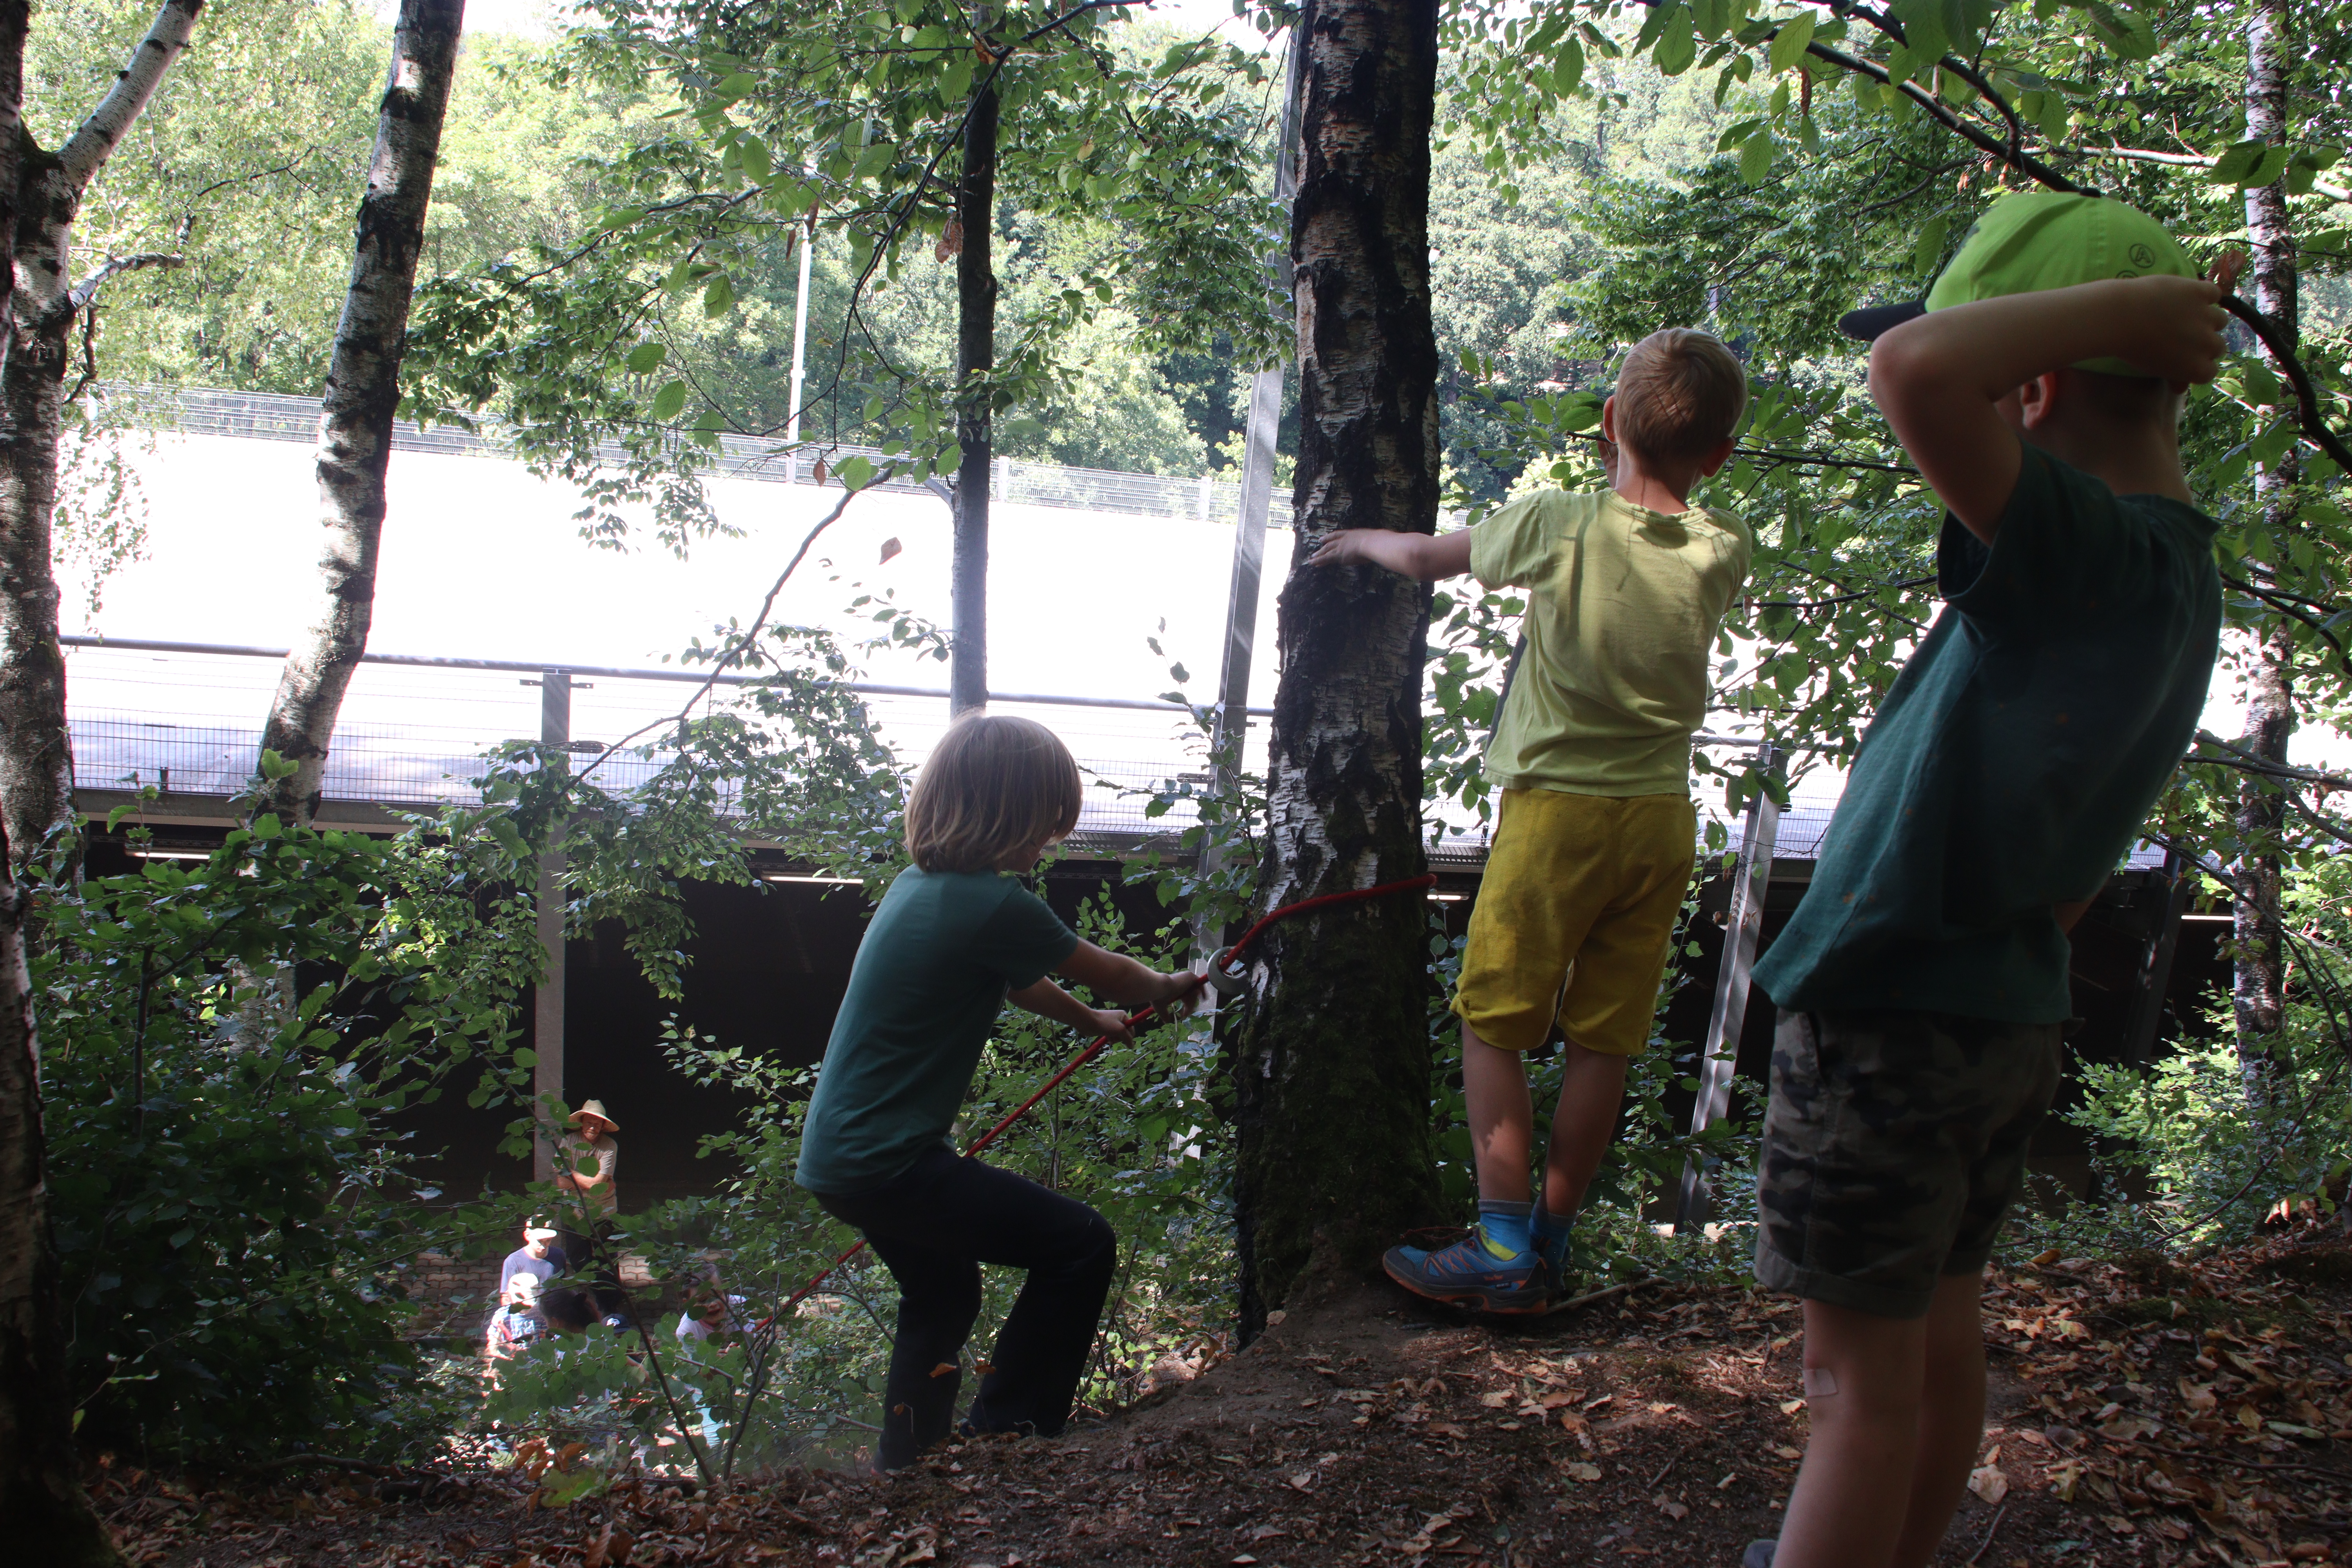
(2141, 1413)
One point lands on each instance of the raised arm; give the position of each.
(1940, 378)
(1424, 557)
(1107, 974)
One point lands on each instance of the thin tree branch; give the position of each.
(94, 143)
(2288, 605)
(2306, 396)
(743, 640)
(2255, 765)
(2189, 161)
(79, 296)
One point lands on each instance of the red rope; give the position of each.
(1134, 1020)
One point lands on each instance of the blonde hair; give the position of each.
(1679, 393)
(994, 785)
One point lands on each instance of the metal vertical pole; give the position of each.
(1263, 429)
(547, 1000)
(800, 348)
(2156, 966)
(1743, 924)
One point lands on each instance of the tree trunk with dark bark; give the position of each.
(2258, 985)
(976, 294)
(1331, 1060)
(362, 394)
(49, 1518)
(36, 749)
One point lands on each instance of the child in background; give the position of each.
(1923, 981)
(1626, 588)
(955, 938)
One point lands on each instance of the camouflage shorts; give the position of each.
(1894, 1145)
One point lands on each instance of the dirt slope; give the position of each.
(2141, 1415)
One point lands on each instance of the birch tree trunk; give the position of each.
(36, 749)
(49, 1518)
(976, 294)
(2257, 988)
(1331, 1060)
(362, 394)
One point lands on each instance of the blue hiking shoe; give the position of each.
(1558, 1254)
(1468, 1274)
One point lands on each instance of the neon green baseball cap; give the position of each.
(2031, 240)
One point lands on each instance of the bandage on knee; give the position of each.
(1820, 1383)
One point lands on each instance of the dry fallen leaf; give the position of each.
(1578, 1470)
(945, 1369)
(1988, 1482)
(1495, 1400)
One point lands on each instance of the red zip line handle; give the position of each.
(1219, 975)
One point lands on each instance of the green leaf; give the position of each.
(645, 357)
(669, 401)
(1713, 18)
(1756, 157)
(719, 296)
(742, 84)
(855, 473)
(2127, 33)
(2239, 160)
(1789, 48)
(756, 160)
(1677, 46)
(1928, 251)
(1739, 131)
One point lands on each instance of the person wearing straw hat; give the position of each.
(585, 1166)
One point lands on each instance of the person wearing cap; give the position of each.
(536, 1258)
(517, 1322)
(1922, 982)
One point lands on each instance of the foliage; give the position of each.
(1139, 162)
(227, 1040)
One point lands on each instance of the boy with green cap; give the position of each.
(1923, 981)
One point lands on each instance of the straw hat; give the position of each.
(594, 1108)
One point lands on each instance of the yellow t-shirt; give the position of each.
(1623, 605)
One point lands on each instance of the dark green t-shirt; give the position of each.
(942, 951)
(2015, 759)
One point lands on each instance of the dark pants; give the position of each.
(935, 1226)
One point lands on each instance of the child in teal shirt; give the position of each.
(956, 938)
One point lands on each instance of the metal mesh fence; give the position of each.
(271, 416)
(190, 724)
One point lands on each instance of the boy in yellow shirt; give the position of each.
(1626, 588)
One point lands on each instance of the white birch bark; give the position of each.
(49, 1518)
(36, 749)
(362, 392)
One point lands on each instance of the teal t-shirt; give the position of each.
(930, 977)
(2014, 762)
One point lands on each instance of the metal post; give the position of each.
(2156, 966)
(547, 1000)
(1263, 429)
(799, 349)
(1743, 924)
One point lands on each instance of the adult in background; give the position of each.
(586, 1160)
(536, 1259)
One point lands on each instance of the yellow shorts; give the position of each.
(1574, 917)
